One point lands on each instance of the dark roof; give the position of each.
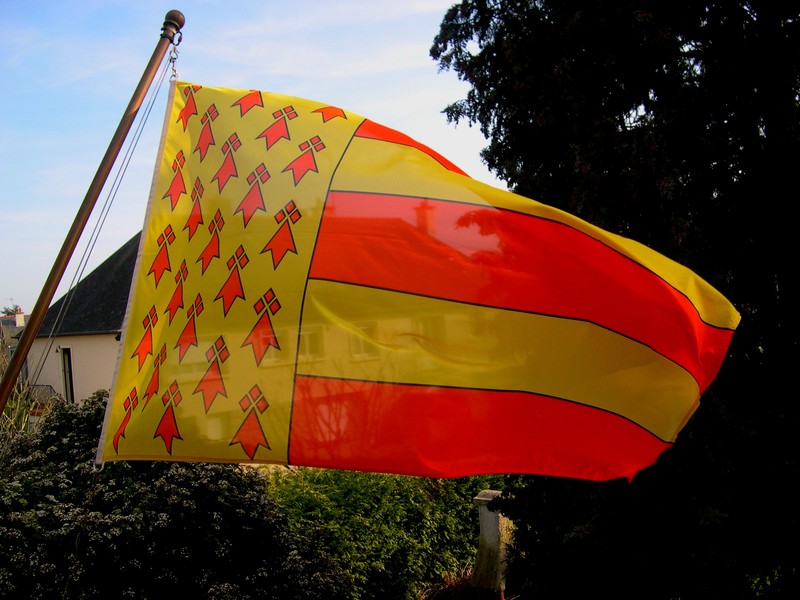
(97, 304)
(8, 327)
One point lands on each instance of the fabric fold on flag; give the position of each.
(316, 289)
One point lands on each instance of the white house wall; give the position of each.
(94, 358)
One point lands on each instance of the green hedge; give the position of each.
(144, 529)
(394, 535)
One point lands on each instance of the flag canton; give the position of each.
(233, 218)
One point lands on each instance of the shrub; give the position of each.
(143, 529)
(394, 535)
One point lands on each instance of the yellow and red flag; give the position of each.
(315, 289)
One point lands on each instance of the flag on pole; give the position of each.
(313, 288)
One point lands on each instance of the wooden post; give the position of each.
(488, 577)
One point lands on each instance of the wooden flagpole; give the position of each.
(173, 22)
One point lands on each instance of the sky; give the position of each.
(69, 69)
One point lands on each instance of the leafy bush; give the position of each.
(21, 405)
(142, 529)
(395, 535)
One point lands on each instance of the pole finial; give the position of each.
(173, 22)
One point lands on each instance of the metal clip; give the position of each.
(173, 59)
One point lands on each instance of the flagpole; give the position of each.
(173, 22)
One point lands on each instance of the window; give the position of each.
(311, 344)
(362, 343)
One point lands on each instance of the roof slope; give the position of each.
(98, 302)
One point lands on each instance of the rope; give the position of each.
(141, 120)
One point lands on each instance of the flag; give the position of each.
(313, 288)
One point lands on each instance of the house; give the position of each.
(11, 326)
(76, 348)
(81, 352)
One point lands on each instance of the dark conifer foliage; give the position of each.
(676, 124)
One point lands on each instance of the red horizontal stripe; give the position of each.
(440, 432)
(492, 257)
(376, 131)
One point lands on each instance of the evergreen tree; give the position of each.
(676, 124)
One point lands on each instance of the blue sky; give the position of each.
(68, 70)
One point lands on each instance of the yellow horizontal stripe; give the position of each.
(375, 335)
(379, 167)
